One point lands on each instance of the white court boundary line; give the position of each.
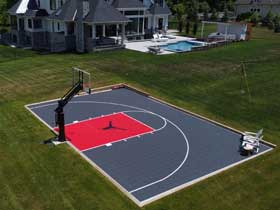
(146, 111)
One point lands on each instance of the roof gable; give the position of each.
(32, 5)
(65, 13)
(158, 10)
(102, 12)
(19, 8)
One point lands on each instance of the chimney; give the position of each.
(80, 42)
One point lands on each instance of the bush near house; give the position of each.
(270, 21)
(244, 16)
(277, 24)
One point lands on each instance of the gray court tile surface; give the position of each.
(183, 147)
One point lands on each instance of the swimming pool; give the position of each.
(182, 46)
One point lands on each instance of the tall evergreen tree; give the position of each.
(179, 11)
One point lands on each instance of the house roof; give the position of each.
(32, 5)
(65, 13)
(128, 4)
(28, 8)
(262, 2)
(104, 13)
(158, 10)
(19, 8)
(36, 13)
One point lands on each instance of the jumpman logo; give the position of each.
(110, 126)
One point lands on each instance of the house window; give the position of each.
(53, 4)
(29, 23)
(37, 23)
(259, 10)
(131, 13)
(132, 27)
(39, 3)
(252, 10)
(58, 26)
(61, 3)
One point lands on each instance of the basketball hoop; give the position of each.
(82, 76)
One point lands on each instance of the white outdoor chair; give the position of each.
(159, 38)
(251, 142)
(162, 38)
(155, 38)
(250, 135)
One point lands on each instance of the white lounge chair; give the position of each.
(159, 38)
(155, 38)
(251, 142)
(162, 38)
(250, 135)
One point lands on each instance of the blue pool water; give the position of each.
(182, 46)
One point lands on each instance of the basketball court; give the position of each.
(146, 147)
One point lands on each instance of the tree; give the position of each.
(188, 26)
(230, 5)
(204, 8)
(225, 17)
(276, 21)
(170, 4)
(192, 8)
(214, 15)
(255, 18)
(195, 27)
(4, 6)
(268, 19)
(179, 12)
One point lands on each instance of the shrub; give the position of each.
(214, 15)
(276, 22)
(3, 30)
(225, 17)
(244, 16)
(195, 27)
(268, 19)
(188, 26)
(255, 18)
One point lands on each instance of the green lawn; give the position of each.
(37, 177)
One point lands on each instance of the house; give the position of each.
(260, 6)
(84, 25)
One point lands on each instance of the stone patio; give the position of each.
(142, 46)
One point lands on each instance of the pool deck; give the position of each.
(142, 46)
